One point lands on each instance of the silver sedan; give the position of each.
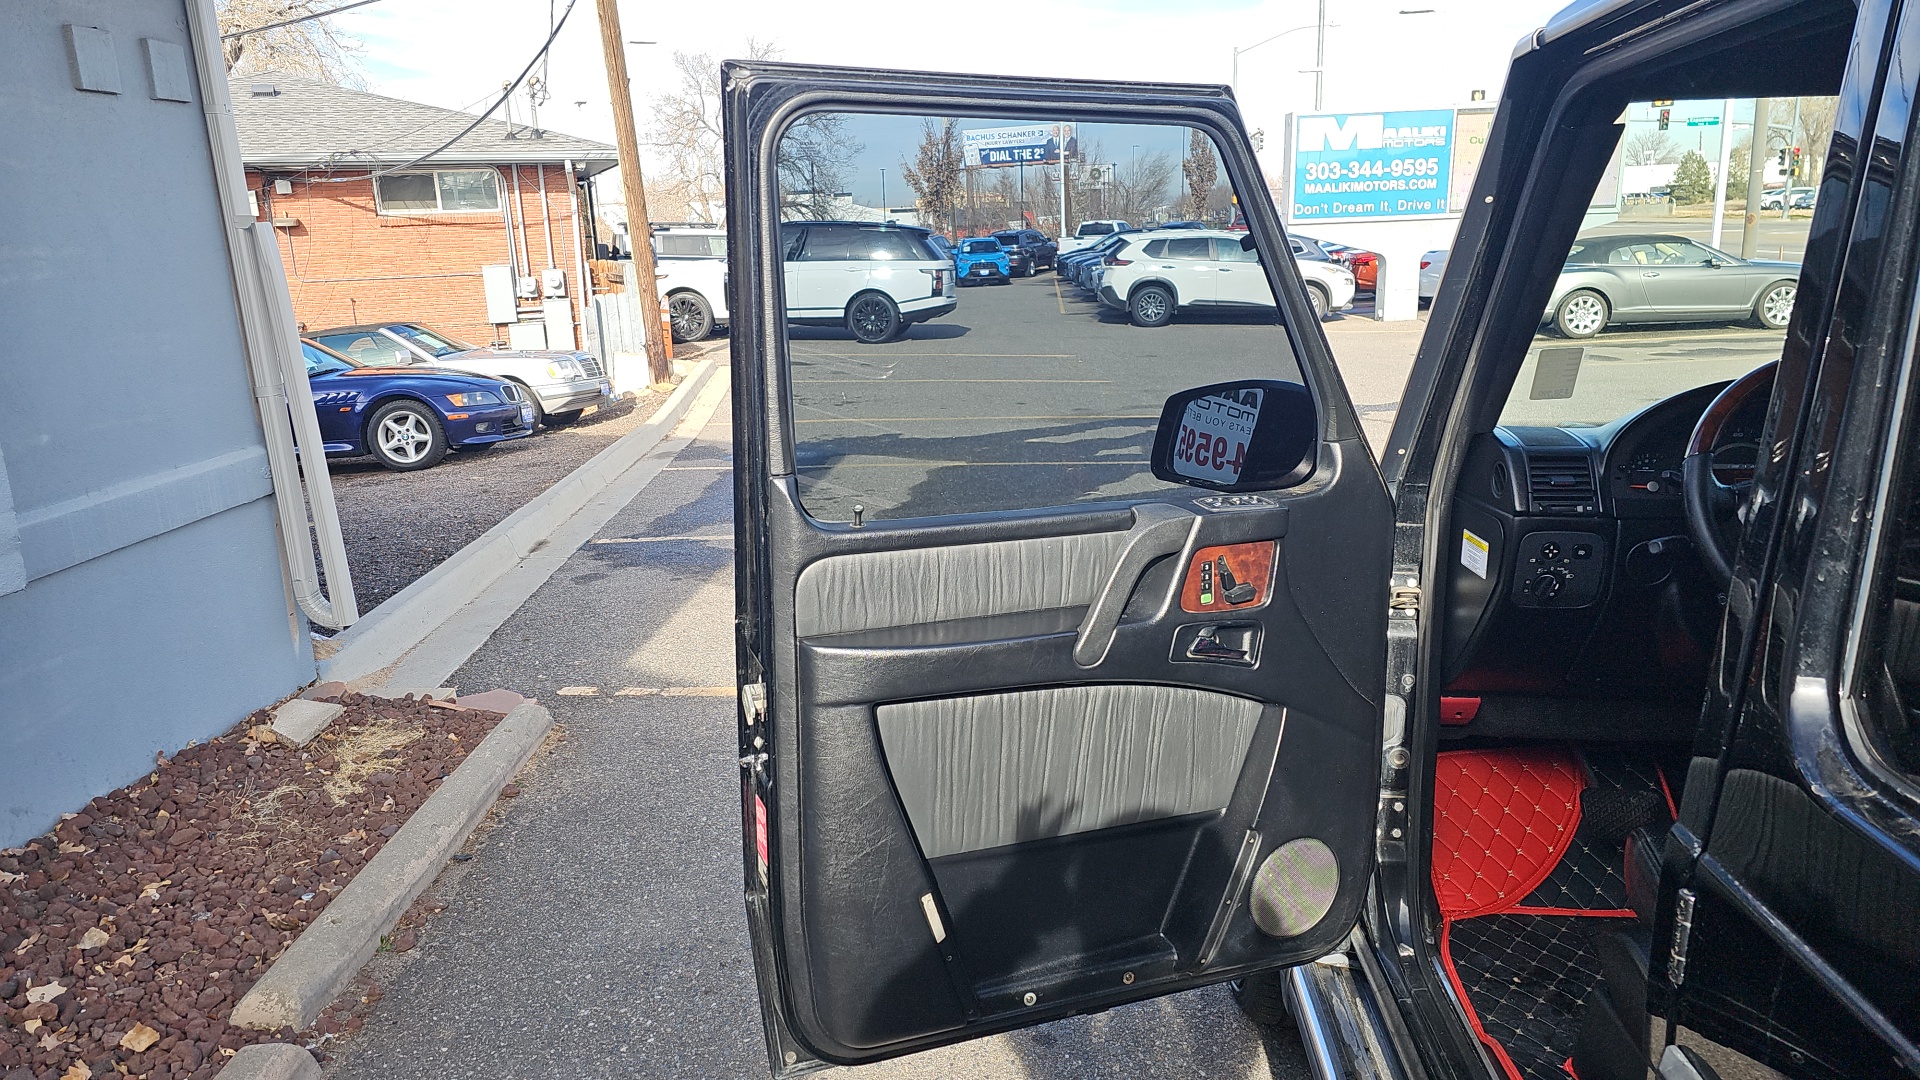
(1655, 278)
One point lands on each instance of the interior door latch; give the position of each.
(1403, 598)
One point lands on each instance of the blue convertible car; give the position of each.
(409, 417)
(981, 259)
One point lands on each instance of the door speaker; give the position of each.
(1294, 888)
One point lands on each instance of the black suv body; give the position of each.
(1035, 249)
(1682, 644)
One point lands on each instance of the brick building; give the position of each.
(412, 244)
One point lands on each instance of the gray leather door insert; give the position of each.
(922, 585)
(978, 772)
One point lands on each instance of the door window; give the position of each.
(1636, 315)
(1887, 683)
(916, 396)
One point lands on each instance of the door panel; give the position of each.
(1002, 774)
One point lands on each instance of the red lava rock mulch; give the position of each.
(129, 932)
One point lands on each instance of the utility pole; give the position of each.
(1756, 178)
(639, 230)
(1720, 175)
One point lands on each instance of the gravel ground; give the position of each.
(398, 526)
(129, 932)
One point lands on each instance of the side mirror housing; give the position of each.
(1247, 243)
(1247, 435)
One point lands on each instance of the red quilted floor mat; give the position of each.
(1502, 820)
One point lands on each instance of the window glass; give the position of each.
(1655, 297)
(365, 347)
(407, 191)
(691, 245)
(981, 247)
(434, 344)
(469, 189)
(1231, 251)
(320, 362)
(1155, 249)
(916, 395)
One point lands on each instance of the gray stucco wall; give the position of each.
(142, 602)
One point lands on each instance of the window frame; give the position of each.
(383, 210)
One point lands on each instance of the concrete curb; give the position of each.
(324, 958)
(384, 636)
(271, 1061)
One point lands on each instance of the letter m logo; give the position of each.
(1321, 133)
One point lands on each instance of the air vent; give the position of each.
(1500, 480)
(1560, 484)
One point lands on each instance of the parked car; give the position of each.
(408, 417)
(980, 260)
(1362, 263)
(1035, 250)
(1154, 276)
(1657, 278)
(1089, 232)
(1432, 265)
(1579, 746)
(560, 385)
(690, 268)
(1773, 198)
(1805, 200)
(1075, 264)
(874, 279)
(940, 244)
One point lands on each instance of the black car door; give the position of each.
(1051, 698)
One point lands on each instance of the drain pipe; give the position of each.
(583, 295)
(275, 364)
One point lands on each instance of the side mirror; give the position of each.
(1236, 436)
(1247, 243)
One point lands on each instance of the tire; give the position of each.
(1262, 996)
(539, 410)
(1582, 314)
(562, 419)
(1151, 305)
(691, 316)
(874, 318)
(406, 436)
(1775, 306)
(1322, 303)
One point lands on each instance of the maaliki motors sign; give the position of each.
(1371, 166)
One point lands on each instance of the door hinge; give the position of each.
(1682, 937)
(1403, 598)
(753, 702)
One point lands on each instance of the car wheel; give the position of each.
(1263, 997)
(1151, 305)
(539, 410)
(691, 315)
(1322, 303)
(1775, 306)
(1582, 313)
(562, 419)
(873, 318)
(405, 436)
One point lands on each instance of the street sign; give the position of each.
(1703, 121)
(1099, 175)
(1372, 166)
(1030, 144)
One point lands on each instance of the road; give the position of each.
(599, 931)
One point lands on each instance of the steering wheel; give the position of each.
(1714, 506)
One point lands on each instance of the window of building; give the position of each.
(449, 191)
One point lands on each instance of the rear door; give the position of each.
(1054, 696)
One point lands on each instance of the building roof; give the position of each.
(291, 122)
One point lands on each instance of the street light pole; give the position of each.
(884, 215)
(639, 231)
(1320, 56)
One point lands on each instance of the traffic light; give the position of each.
(1665, 115)
(1796, 161)
(1783, 157)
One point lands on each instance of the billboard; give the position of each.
(1028, 144)
(1372, 166)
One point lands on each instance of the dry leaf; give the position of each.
(32, 1025)
(77, 1071)
(281, 921)
(93, 939)
(68, 847)
(38, 994)
(27, 944)
(51, 1041)
(8, 879)
(139, 1038)
(152, 892)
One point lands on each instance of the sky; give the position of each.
(457, 53)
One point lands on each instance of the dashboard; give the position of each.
(1571, 572)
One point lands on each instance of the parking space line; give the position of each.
(1057, 298)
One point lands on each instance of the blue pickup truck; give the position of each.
(979, 260)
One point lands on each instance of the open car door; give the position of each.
(1061, 630)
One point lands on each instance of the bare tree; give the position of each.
(312, 47)
(1140, 187)
(1650, 147)
(1816, 131)
(687, 136)
(934, 174)
(1201, 171)
(815, 160)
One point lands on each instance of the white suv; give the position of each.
(874, 279)
(1154, 275)
(690, 265)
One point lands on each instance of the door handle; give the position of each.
(1158, 529)
(1650, 273)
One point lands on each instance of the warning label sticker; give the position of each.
(1473, 552)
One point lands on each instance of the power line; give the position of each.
(477, 121)
(301, 19)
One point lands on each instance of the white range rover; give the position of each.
(690, 267)
(875, 279)
(1153, 276)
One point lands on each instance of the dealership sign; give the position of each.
(1032, 144)
(1372, 166)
